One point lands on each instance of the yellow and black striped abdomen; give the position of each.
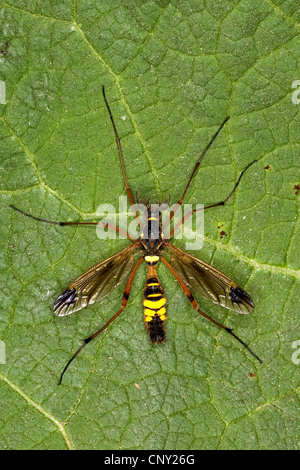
(154, 303)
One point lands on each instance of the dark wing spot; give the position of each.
(68, 297)
(237, 295)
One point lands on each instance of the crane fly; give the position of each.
(191, 273)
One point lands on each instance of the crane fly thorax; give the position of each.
(151, 232)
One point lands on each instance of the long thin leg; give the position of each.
(191, 299)
(123, 306)
(194, 171)
(128, 190)
(221, 203)
(104, 224)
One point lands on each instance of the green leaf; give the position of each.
(173, 71)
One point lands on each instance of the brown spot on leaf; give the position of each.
(4, 48)
(296, 188)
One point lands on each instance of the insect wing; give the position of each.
(96, 283)
(210, 283)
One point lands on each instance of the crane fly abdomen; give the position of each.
(154, 303)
